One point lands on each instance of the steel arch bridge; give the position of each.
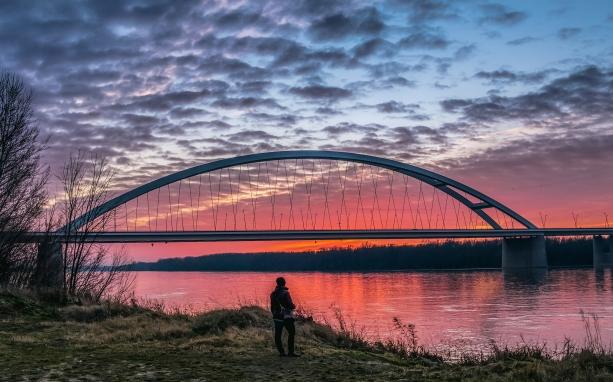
(300, 195)
(310, 195)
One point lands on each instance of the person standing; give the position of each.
(282, 309)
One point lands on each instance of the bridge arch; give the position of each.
(449, 186)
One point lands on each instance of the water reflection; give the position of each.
(529, 279)
(466, 309)
(599, 277)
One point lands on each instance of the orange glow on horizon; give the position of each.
(317, 245)
(149, 252)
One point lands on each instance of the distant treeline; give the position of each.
(445, 255)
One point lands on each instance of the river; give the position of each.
(450, 310)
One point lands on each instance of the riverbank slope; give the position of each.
(119, 342)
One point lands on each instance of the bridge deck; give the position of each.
(209, 236)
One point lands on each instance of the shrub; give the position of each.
(84, 313)
(18, 302)
(217, 321)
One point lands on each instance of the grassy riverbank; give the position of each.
(113, 342)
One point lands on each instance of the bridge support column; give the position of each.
(523, 252)
(603, 251)
(49, 266)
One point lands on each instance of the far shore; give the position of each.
(429, 257)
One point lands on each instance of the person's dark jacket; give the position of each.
(280, 303)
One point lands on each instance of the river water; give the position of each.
(463, 310)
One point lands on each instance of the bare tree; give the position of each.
(543, 219)
(575, 218)
(22, 181)
(89, 270)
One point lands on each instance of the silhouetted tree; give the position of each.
(22, 181)
(89, 270)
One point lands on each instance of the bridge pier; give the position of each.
(49, 266)
(602, 251)
(524, 252)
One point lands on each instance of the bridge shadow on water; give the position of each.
(524, 279)
(531, 280)
(601, 280)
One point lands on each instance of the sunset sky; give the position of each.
(514, 98)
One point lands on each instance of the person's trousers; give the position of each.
(288, 324)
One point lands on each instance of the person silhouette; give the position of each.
(282, 309)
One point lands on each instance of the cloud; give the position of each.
(397, 81)
(216, 124)
(522, 41)
(315, 8)
(168, 101)
(349, 128)
(140, 119)
(411, 135)
(234, 68)
(363, 22)
(423, 11)
(68, 135)
(91, 75)
(402, 142)
(328, 111)
(464, 52)
(284, 53)
(187, 112)
(507, 76)
(275, 119)
(237, 19)
(396, 107)
(393, 69)
(251, 136)
(423, 39)
(372, 47)
(566, 33)
(320, 92)
(246, 103)
(498, 14)
(584, 95)
(257, 87)
(549, 173)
